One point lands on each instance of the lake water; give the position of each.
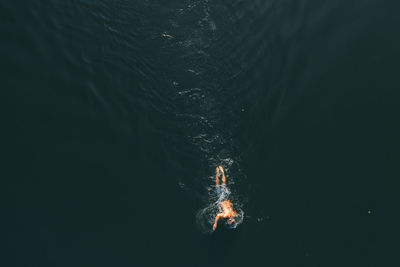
(122, 110)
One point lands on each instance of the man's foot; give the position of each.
(221, 169)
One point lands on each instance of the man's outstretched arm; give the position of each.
(216, 220)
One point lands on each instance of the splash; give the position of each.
(223, 207)
(205, 218)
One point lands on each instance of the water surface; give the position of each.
(124, 108)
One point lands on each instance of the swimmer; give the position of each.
(226, 208)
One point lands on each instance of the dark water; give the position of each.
(122, 110)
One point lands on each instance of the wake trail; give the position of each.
(191, 36)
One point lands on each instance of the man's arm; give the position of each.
(216, 220)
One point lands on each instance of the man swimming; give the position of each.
(225, 206)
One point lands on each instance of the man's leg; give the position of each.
(223, 175)
(217, 176)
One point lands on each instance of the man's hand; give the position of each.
(214, 226)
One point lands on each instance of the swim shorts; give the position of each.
(222, 192)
